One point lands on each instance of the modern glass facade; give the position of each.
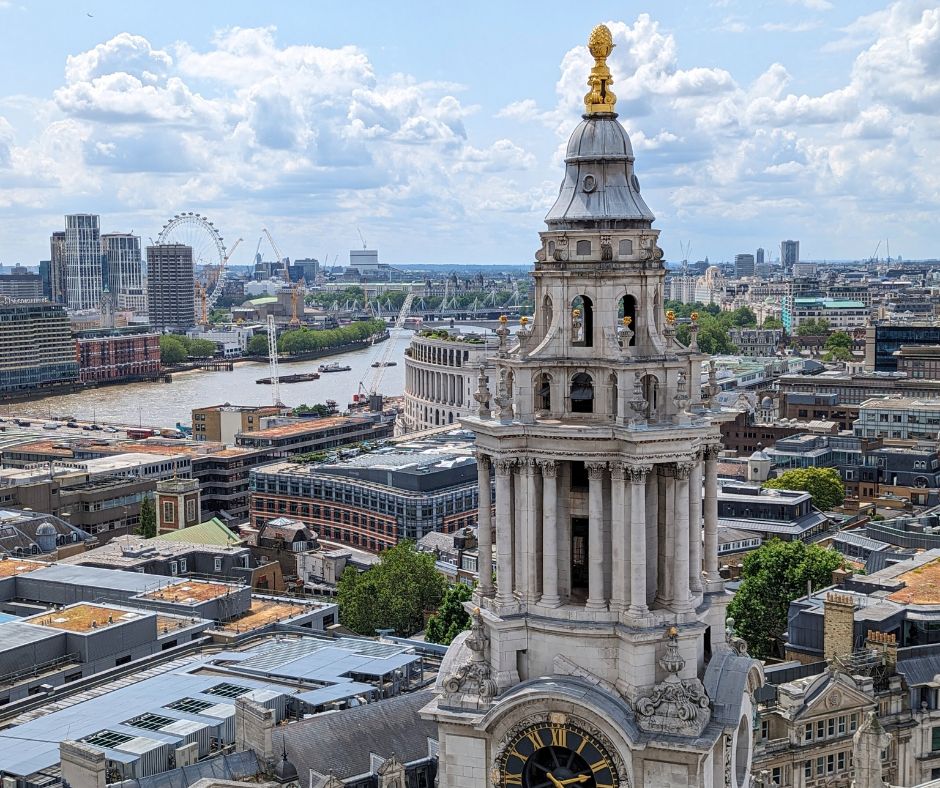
(36, 347)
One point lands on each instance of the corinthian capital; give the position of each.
(683, 470)
(638, 473)
(596, 470)
(483, 460)
(711, 451)
(503, 466)
(549, 468)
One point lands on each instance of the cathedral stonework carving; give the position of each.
(600, 518)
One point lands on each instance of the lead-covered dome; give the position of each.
(600, 189)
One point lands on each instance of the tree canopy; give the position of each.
(450, 619)
(823, 484)
(172, 350)
(772, 577)
(148, 518)
(772, 322)
(306, 340)
(813, 327)
(394, 594)
(714, 324)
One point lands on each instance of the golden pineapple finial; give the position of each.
(600, 98)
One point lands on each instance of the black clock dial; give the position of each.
(556, 755)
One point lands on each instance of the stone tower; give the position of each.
(600, 657)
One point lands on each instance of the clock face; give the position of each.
(556, 755)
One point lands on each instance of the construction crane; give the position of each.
(203, 307)
(277, 253)
(218, 277)
(361, 237)
(390, 344)
(272, 363)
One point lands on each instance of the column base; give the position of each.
(638, 614)
(596, 604)
(550, 600)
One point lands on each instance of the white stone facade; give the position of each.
(441, 377)
(604, 632)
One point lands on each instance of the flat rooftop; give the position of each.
(303, 427)
(83, 618)
(13, 566)
(188, 592)
(922, 585)
(900, 403)
(264, 612)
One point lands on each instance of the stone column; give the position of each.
(680, 576)
(485, 526)
(504, 558)
(638, 588)
(596, 600)
(695, 526)
(711, 511)
(550, 595)
(530, 524)
(619, 544)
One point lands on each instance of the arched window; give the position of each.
(582, 393)
(627, 308)
(543, 392)
(626, 248)
(614, 396)
(583, 248)
(582, 322)
(546, 314)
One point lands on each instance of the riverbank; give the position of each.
(155, 404)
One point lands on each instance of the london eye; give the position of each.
(209, 253)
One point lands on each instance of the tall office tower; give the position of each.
(743, 265)
(58, 274)
(171, 301)
(759, 257)
(789, 254)
(600, 657)
(125, 271)
(84, 281)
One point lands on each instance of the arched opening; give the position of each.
(450, 417)
(543, 392)
(651, 394)
(546, 314)
(582, 393)
(627, 308)
(614, 396)
(582, 322)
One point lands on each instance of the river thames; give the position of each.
(165, 404)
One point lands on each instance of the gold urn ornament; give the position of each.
(600, 98)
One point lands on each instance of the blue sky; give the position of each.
(438, 128)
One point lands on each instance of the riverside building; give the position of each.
(171, 300)
(36, 347)
(442, 369)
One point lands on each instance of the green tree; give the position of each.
(201, 348)
(148, 518)
(823, 484)
(771, 323)
(743, 317)
(258, 345)
(772, 577)
(813, 327)
(838, 354)
(394, 594)
(839, 339)
(172, 350)
(450, 619)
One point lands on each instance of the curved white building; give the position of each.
(441, 377)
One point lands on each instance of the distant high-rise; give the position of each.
(759, 257)
(743, 265)
(83, 261)
(170, 296)
(58, 275)
(124, 270)
(789, 254)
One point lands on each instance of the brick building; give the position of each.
(118, 354)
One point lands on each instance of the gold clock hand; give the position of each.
(581, 778)
(555, 781)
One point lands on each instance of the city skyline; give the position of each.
(804, 120)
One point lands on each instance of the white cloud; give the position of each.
(813, 5)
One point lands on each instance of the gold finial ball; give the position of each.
(672, 632)
(503, 319)
(694, 317)
(601, 42)
(576, 313)
(671, 316)
(627, 320)
(524, 321)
